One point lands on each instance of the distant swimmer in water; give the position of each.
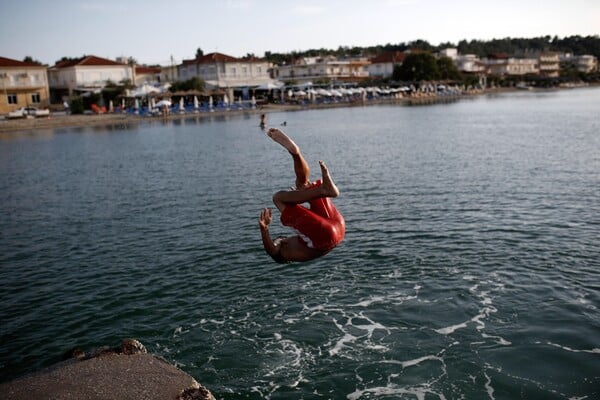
(320, 228)
(263, 121)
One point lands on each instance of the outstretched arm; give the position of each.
(266, 217)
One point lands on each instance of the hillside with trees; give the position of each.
(577, 45)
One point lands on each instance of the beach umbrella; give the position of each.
(210, 101)
(196, 105)
(136, 105)
(225, 99)
(163, 103)
(253, 101)
(268, 86)
(111, 108)
(122, 104)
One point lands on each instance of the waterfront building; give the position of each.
(221, 71)
(323, 69)
(169, 73)
(23, 84)
(147, 75)
(549, 64)
(451, 53)
(86, 74)
(503, 64)
(584, 63)
(470, 64)
(382, 66)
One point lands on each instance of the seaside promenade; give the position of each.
(62, 120)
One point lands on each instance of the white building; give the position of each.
(549, 64)
(86, 74)
(382, 66)
(451, 53)
(505, 65)
(469, 64)
(147, 75)
(23, 84)
(584, 63)
(223, 71)
(311, 69)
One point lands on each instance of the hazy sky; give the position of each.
(153, 31)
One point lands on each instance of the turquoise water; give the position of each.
(470, 267)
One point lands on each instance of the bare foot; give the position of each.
(281, 138)
(328, 185)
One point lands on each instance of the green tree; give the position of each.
(447, 69)
(76, 105)
(30, 59)
(192, 84)
(417, 67)
(199, 52)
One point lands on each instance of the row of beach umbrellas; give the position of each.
(152, 104)
(340, 92)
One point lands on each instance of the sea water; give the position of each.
(470, 267)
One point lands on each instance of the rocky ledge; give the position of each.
(126, 372)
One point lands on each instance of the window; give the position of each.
(35, 98)
(12, 98)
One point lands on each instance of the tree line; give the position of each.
(577, 45)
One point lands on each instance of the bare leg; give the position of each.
(301, 168)
(327, 189)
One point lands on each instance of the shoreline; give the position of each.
(115, 120)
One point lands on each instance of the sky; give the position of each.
(153, 32)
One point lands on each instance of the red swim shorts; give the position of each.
(321, 226)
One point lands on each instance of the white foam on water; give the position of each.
(350, 337)
(592, 351)
(394, 275)
(369, 301)
(394, 298)
(394, 390)
(488, 386)
(451, 329)
(417, 361)
(500, 340)
(341, 343)
(179, 331)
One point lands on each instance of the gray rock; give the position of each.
(125, 373)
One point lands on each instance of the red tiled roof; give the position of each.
(87, 61)
(211, 58)
(498, 56)
(9, 62)
(252, 59)
(147, 70)
(389, 56)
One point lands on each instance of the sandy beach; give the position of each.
(60, 120)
